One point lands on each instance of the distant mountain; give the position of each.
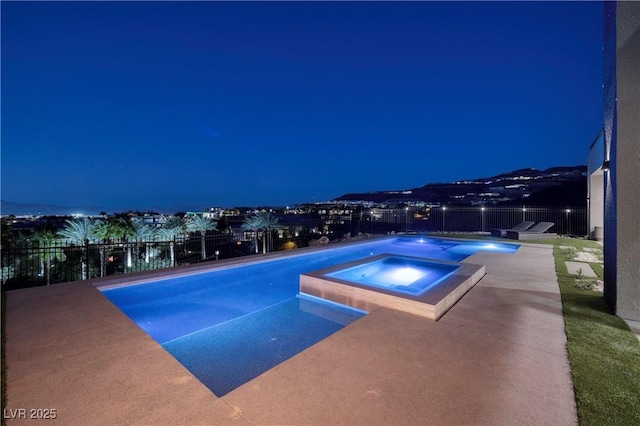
(20, 209)
(556, 186)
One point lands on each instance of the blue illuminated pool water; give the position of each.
(229, 325)
(397, 274)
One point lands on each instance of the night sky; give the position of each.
(182, 106)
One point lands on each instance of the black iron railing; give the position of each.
(34, 263)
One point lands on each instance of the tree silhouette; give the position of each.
(47, 251)
(79, 232)
(201, 225)
(252, 223)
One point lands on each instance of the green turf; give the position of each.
(604, 353)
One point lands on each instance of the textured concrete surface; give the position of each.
(497, 357)
(580, 267)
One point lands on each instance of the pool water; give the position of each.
(399, 274)
(230, 325)
(243, 348)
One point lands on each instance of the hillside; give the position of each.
(556, 186)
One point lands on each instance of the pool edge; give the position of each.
(432, 305)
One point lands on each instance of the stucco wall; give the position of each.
(622, 144)
(628, 159)
(609, 126)
(595, 187)
(596, 205)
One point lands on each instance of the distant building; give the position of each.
(155, 220)
(214, 213)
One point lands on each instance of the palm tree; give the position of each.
(79, 232)
(252, 223)
(142, 233)
(103, 233)
(173, 229)
(47, 251)
(121, 228)
(268, 222)
(202, 225)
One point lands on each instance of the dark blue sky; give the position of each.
(175, 106)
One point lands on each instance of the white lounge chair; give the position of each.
(522, 226)
(537, 232)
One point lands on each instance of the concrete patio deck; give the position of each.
(497, 357)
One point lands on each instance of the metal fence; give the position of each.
(567, 221)
(34, 263)
(571, 222)
(31, 263)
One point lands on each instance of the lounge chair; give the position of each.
(537, 232)
(519, 227)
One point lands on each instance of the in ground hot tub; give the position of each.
(425, 287)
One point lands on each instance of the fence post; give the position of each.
(444, 223)
(85, 260)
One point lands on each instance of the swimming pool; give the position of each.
(254, 311)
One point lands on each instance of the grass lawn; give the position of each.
(604, 353)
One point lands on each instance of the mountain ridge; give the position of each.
(521, 185)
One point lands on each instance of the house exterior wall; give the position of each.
(622, 146)
(595, 188)
(596, 206)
